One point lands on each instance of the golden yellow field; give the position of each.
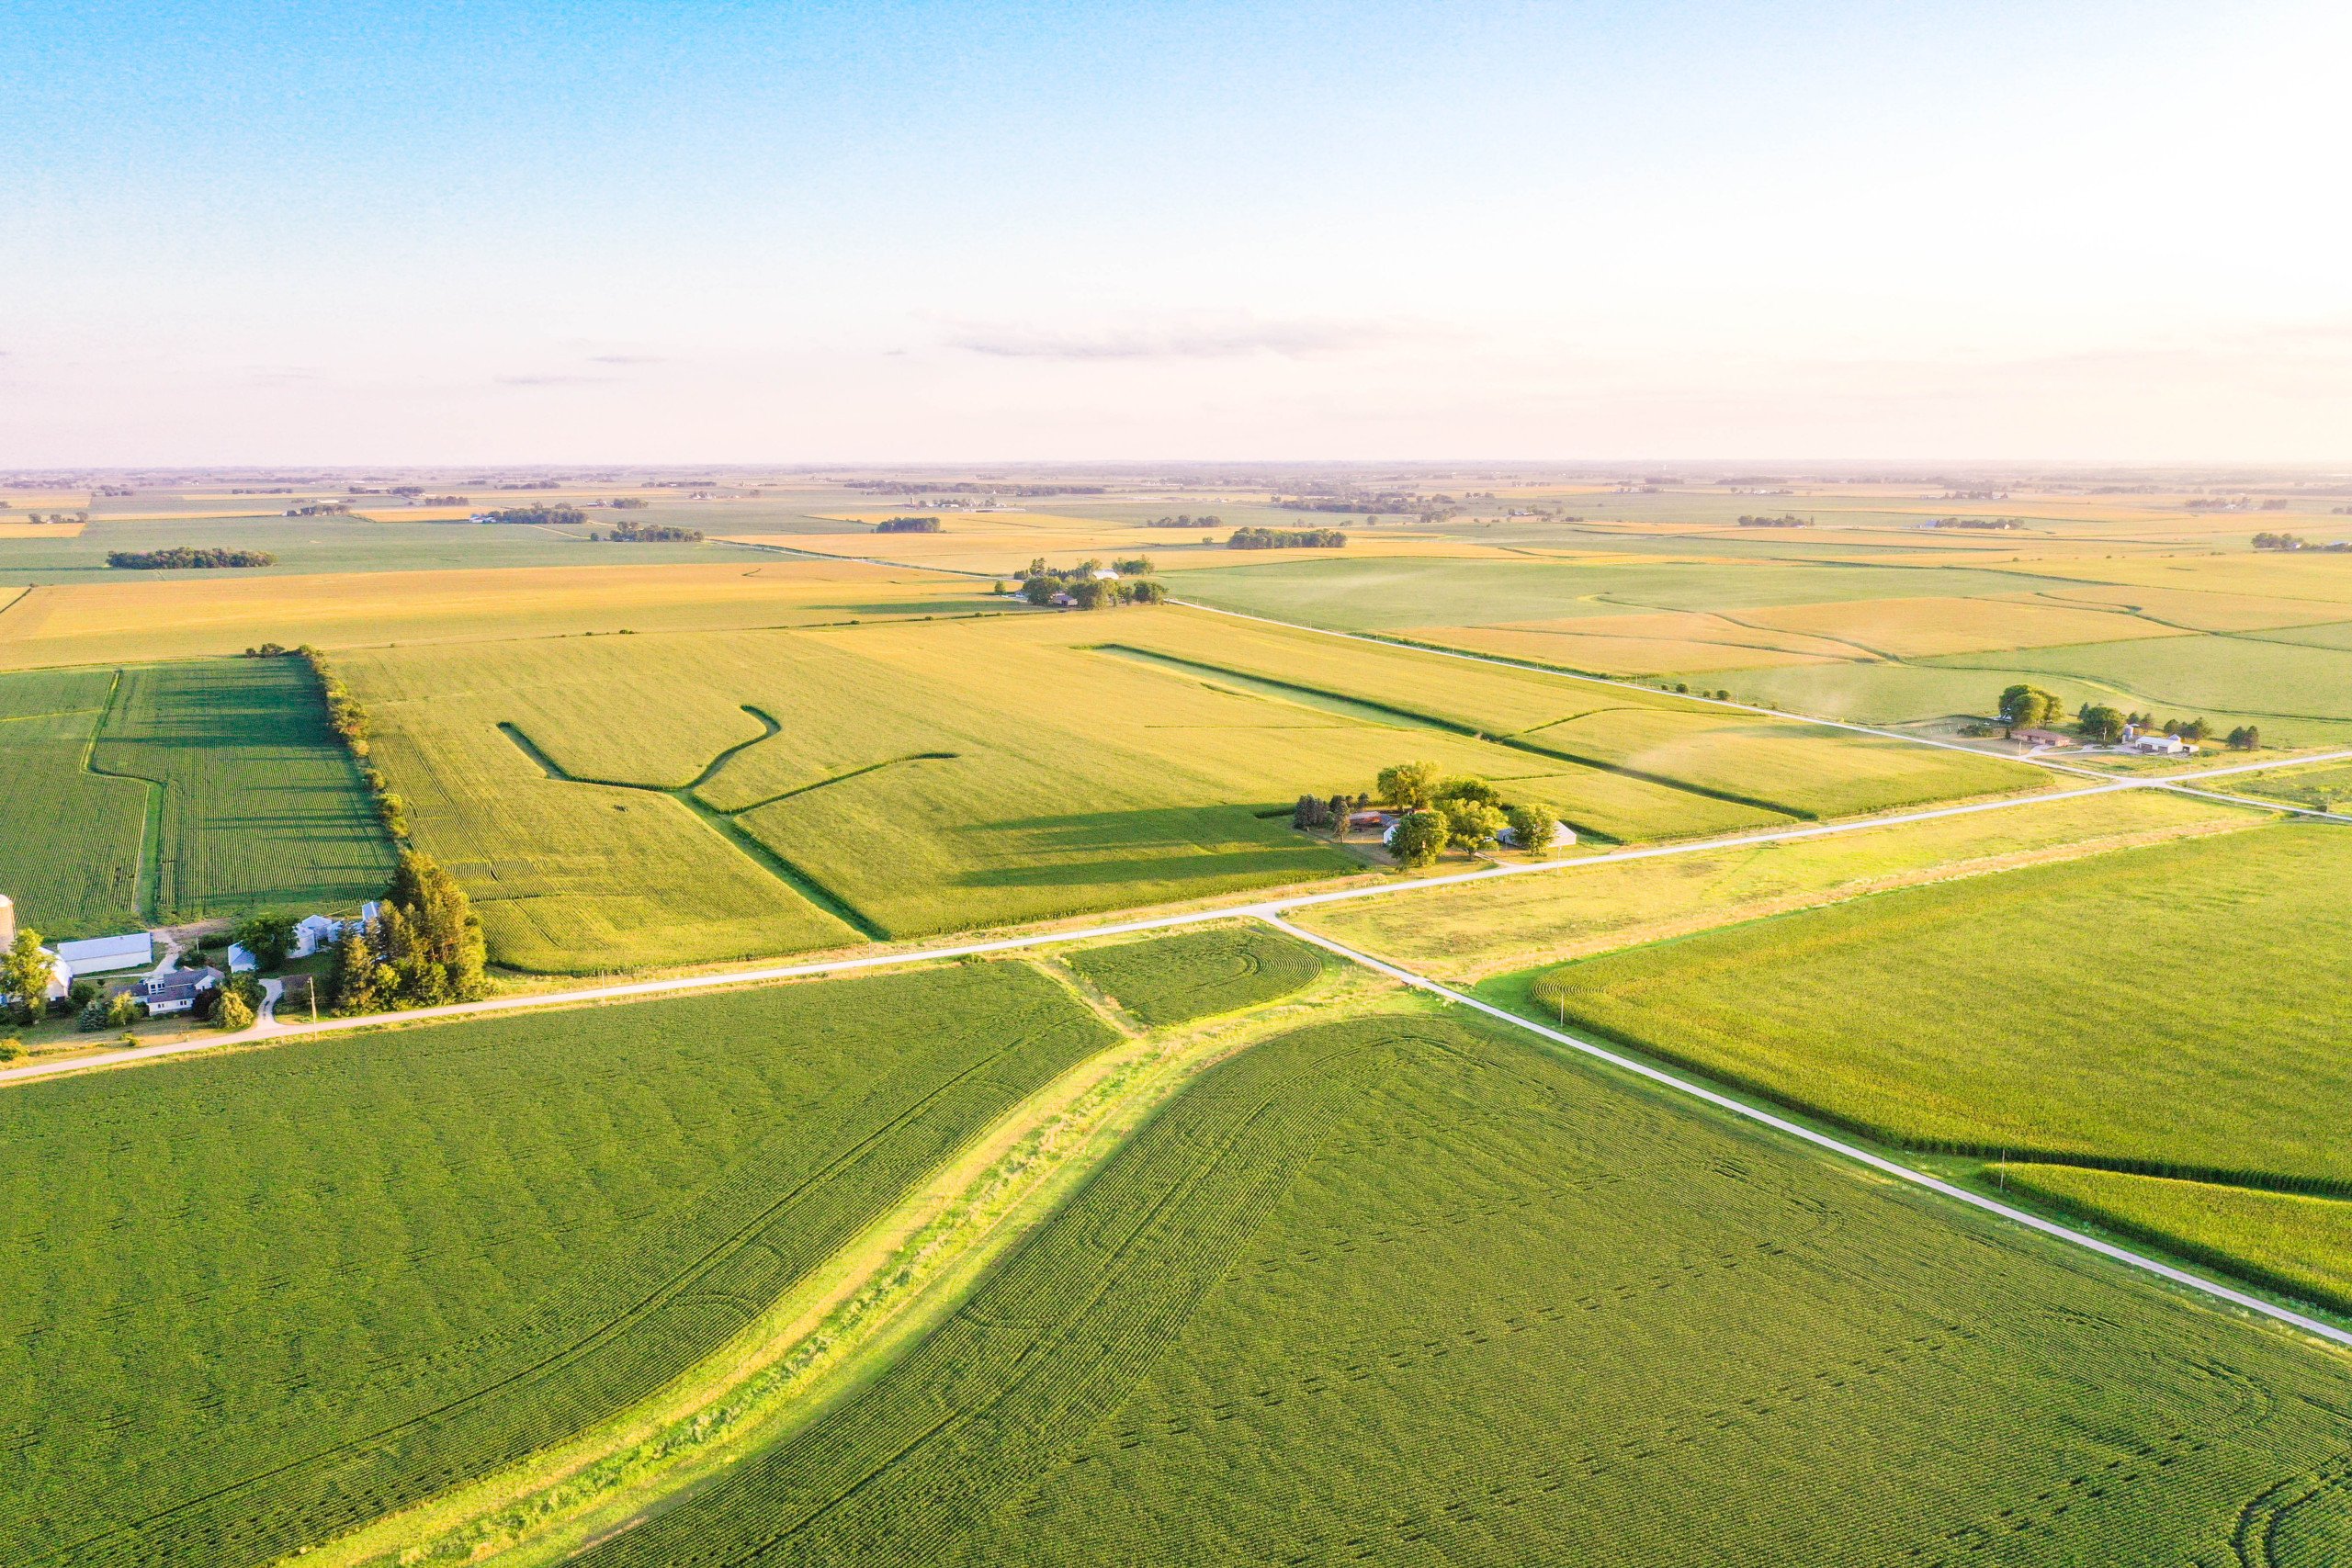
(2197, 610)
(39, 530)
(2302, 576)
(1670, 642)
(78, 622)
(1469, 931)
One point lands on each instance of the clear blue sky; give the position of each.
(692, 231)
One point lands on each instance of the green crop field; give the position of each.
(1781, 766)
(678, 797)
(303, 545)
(1470, 930)
(2293, 1241)
(1169, 980)
(2169, 1010)
(2190, 674)
(1392, 594)
(2325, 784)
(209, 788)
(260, 805)
(1402, 1291)
(69, 837)
(248, 1302)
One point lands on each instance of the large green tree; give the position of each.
(1470, 824)
(1418, 838)
(24, 975)
(2028, 707)
(1410, 785)
(1532, 824)
(268, 936)
(2101, 724)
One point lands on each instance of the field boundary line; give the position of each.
(280, 1031)
(1838, 1146)
(2029, 758)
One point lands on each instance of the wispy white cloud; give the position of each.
(625, 359)
(1179, 337)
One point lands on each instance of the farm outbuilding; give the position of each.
(104, 955)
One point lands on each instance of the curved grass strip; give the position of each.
(1402, 1291)
(1174, 979)
(292, 1290)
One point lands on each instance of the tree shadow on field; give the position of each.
(1205, 844)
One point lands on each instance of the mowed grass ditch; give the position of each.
(2169, 1012)
(1403, 1288)
(177, 792)
(251, 1302)
(619, 802)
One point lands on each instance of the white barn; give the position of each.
(104, 955)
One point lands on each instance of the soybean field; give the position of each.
(284, 1291)
(1402, 1291)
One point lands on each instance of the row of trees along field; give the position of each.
(627, 533)
(1437, 813)
(185, 556)
(1287, 539)
(349, 722)
(543, 516)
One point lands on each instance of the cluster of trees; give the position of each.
(1442, 813)
(2244, 737)
(1287, 539)
(349, 722)
(564, 516)
(1186, 520)
(442, 501)
(2029, 707)
(907, 525)
(180, 557)
(2106, 725)
(1356, 501)
(320, 509)
(1329, 812)
(54, 516)
(1983, 525)
(628, 503)
(627, 533)
(1079, 587)
(1786, 520)
(2296, 541)
(423, 950)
